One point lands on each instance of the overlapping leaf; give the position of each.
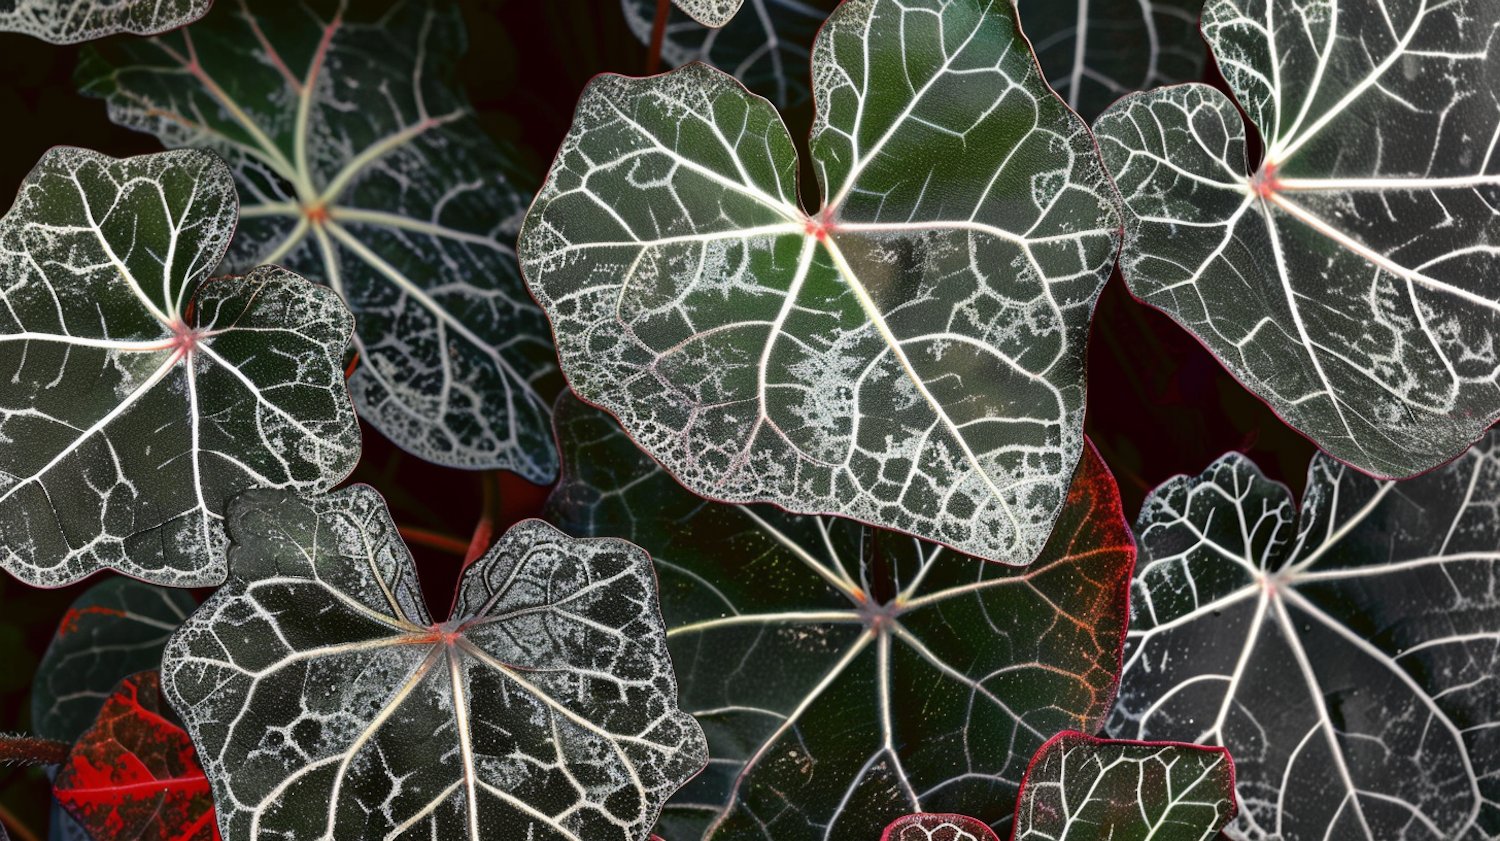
(847, 676)
(1350, 280)
(361, 165)
(326, 704)
(133, 775)
(1096, 51)
(1347, 657)
(116, 629)
(71, 21)
(911, 355)
(930, 827)
(137, 399)
(1082, 787)
(768, 48)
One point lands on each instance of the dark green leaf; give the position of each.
(362, 166)
(847, 676)
(1346, 656)
(1350, 280)
(71, 21)
(325, 703)
(912, 355)
(116, 629)
(137, 399)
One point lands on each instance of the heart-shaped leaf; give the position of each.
(1347, 657)
(362, 166)
(137, 399)
(1096, 51)
(326, 704)
(133, 775)
(930, 827)
(71, 21)
(1348, 280)
(116, 629)
(1082, 787)
(768, 48)
(847, 676)
(912, 355)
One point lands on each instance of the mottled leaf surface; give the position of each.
(116, 629)
(847, 676)
(930, 827)
(361, 165)
(1345, 655)
(136, 399)
(1350, 280)
(327, 704)
(1096, 51)
(71, 21)
(1086, 788)
(709, 12)
(133, 775)
(768, 48)
(910, 356)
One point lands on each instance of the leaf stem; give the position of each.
(20, 749)
(18, 831)
(433, 540)
(658, 34)
(484, 531)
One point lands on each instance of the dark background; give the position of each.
(1159, 404)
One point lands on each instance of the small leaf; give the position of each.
(134, 774)
(362, 166)
(1082, 787)
(847, 676)
(1096, 51)
(71, 21)
(116, 629)
(1349, 281)
(911, 356)
(137, 398)
(326, 703)
(768, 48)
(1346, 656)
(930, 827)
(712, 13)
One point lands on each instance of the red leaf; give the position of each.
(134, 775)
(933, 827)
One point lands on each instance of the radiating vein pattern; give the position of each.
(847, 676)
(1079, 787)
(325, 703)
(135, 398)
(116, 629)
(768, 47)
(911, 355)
(1350, 278)
(1096, 51)
(361, 165)
(1348, 657)
(71, 21)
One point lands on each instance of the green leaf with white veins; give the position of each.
(713, 13)
(911, 355)
(71, 21)
(1350, 280)
(362, 166)
(136, 398)
(325, 703)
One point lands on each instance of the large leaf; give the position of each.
(930, 827)
(1349, 280)
(133, 775)
(847, 676)
(327, 704)
(136, 399)
(71, 21)
(910, 356)
(1082, 787)
(116, 629)
(768, 48)
(362, 166)
(1096, 51)
(1347, 657)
